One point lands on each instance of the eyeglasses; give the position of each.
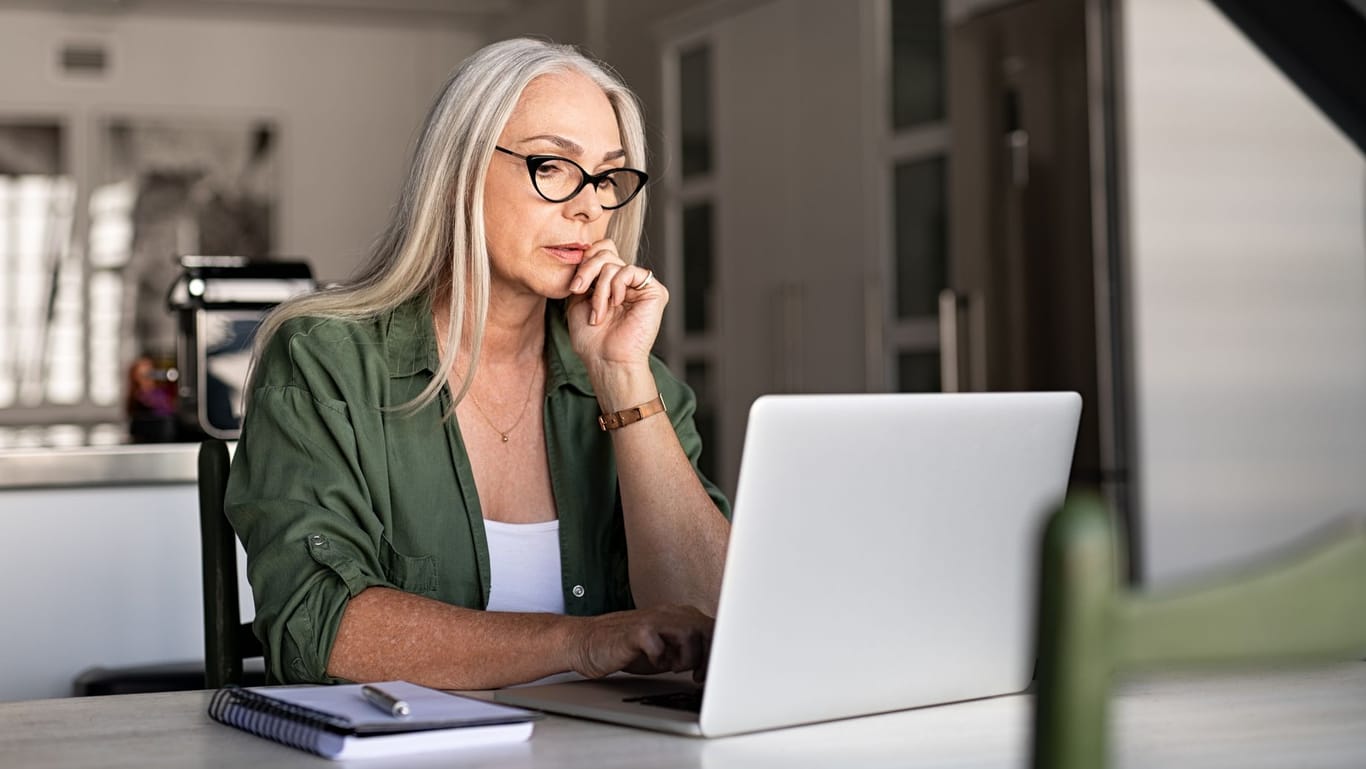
(558, 179)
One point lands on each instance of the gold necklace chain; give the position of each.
(520, 415)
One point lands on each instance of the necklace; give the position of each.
(525, 402)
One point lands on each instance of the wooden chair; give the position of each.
(1308, 605)
(227, 641)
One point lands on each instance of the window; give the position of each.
(921, 235)
(694, 111)
(87, 255)
(41, 324)
(915, 162)
(691, 208)
(697, 267)
(917, 63)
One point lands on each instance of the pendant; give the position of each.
(505, 437)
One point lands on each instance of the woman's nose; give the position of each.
(585, 205)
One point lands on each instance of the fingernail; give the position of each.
(593, 318)
(577, 284)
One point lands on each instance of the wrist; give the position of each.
(574, 644)
(620, 387)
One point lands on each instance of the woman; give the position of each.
(423, 485)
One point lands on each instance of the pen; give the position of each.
(384, 701)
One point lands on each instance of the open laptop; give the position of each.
(882, 557)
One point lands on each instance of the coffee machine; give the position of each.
(219, 301)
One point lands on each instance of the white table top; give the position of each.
(1304, 719)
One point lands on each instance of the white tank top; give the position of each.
(524, 566)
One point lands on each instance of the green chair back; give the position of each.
(1303, 606)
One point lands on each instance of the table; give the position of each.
(1313, 719)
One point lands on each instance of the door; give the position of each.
(1029, 305)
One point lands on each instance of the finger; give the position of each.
(699, 673)
(596, 257)
(640, 665)
(652, 646)
(647, 279)
(678, 647)
(602, 292)
(690, 650)
(604, 246)
(697, 651)
(685, 642)
(626, 278)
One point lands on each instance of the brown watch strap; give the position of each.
(619, 419)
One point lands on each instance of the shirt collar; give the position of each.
(410, 339)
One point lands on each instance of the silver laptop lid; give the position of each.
(883, 553)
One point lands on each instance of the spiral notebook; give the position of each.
(337, 722)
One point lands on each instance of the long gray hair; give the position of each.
(435, 241)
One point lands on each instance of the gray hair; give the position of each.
(435, 241)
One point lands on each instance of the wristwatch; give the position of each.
(619, 419)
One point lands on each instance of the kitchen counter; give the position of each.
(106, 541)
(117, 465)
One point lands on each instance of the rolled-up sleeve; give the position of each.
(298, 499)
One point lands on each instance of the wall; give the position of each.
(349, 95)
(1248, 235)
(792, 204)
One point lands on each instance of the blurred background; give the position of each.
(1157, 203)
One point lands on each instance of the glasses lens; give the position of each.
(557, 179)
(618, 187)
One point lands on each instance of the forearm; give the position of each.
(675, 535)
(389, 634)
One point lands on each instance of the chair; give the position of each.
(227, 641)
(1308, 605)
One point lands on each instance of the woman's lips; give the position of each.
(569, 253)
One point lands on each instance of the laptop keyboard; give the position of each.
(690, 700)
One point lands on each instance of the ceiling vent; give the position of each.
(84, 60)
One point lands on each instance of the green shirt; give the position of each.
(335, 489)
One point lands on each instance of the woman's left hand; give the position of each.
(614, 309)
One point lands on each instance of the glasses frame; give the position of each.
(533, 162)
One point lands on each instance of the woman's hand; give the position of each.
(614, 310)
(643, 641)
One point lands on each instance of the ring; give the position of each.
(649, 276)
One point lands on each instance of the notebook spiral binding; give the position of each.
(293, 725)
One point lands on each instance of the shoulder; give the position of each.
(303, 348)
(328, 334)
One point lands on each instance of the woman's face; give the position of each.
(534, 245)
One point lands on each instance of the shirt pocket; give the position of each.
(410, 573)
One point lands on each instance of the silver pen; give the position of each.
(385, 701)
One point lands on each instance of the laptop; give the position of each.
(882, 556)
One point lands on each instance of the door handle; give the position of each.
(954, 376)
(1017, 145)
(948, 340)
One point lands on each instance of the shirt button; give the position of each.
(578, 591)
(317, 540)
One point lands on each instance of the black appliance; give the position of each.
(219, 301)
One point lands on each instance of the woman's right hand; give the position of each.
(661, 639)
